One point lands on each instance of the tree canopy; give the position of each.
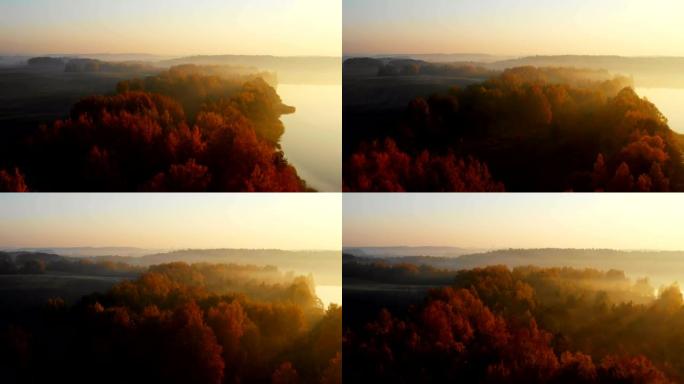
(181, 323)
(527, 129)
(179, 131)
(527, 324)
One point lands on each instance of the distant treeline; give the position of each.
(186, 129)
(91, 65)
(409, 67)
(290, 70)
(177, 324)
(663, 266)
(528, 129)
(324, 265)
(647, 71)
(40, 263)
(47, 61)
(528, 324)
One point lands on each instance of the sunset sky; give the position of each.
(515, 27)
(171, 27)
(619, 221)
(172, 221)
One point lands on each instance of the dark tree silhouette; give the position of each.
(533, 129)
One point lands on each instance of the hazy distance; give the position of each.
(510, 27)
(493, 221)
(171, 221)
(171, 27)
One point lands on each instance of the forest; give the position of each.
(179, 323)
(663, 267)
(658, 71)
(496, 324)
(323, 264)
(189, 128)
(290, 69)
(39, 262)
(524, 129)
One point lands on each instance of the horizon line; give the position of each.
(489, 249)
(5, 248)
(158, 54)
(511, 55)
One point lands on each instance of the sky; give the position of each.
(172, 221)
(172, 27)
(515, 27)
(494, 221)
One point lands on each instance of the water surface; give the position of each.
(670, 102)
(329, 294)
(313, 134)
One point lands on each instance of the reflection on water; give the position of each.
(670, 102)
(329, 294)
(313, 135)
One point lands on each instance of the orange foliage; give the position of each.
(529, 324)
(182, 130)
(285, 374)
(536, 129)
(177, 323)
(384, 167)
(140, 141)
(12, 182)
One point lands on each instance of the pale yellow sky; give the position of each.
(515, 27)
(172, 221)
(172, 27)
(554, 220)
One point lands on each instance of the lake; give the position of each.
(313, 134)
(670, 101)
(329, 294)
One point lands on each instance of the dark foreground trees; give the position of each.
(173, 325)
(182, 130)
(528, 129)
(385, 168)
(531, 325)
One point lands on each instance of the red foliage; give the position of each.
(12, 182)
(637, 369)
(285, 374)
(454, 336)
(536, 129)
(229, 322)
(333, 372)
(193, 351)
(384, 167)
(188, 177)
(141, 141)
(637, 167)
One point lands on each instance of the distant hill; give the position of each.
(47, 61)
(92, 251)
(113, 57)
(405, 251)
(291, 69)
(442, 57)
(324, 265)
(13, 60)
(647, 71)
(654, 71)
(661, 266)
(603, 62)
